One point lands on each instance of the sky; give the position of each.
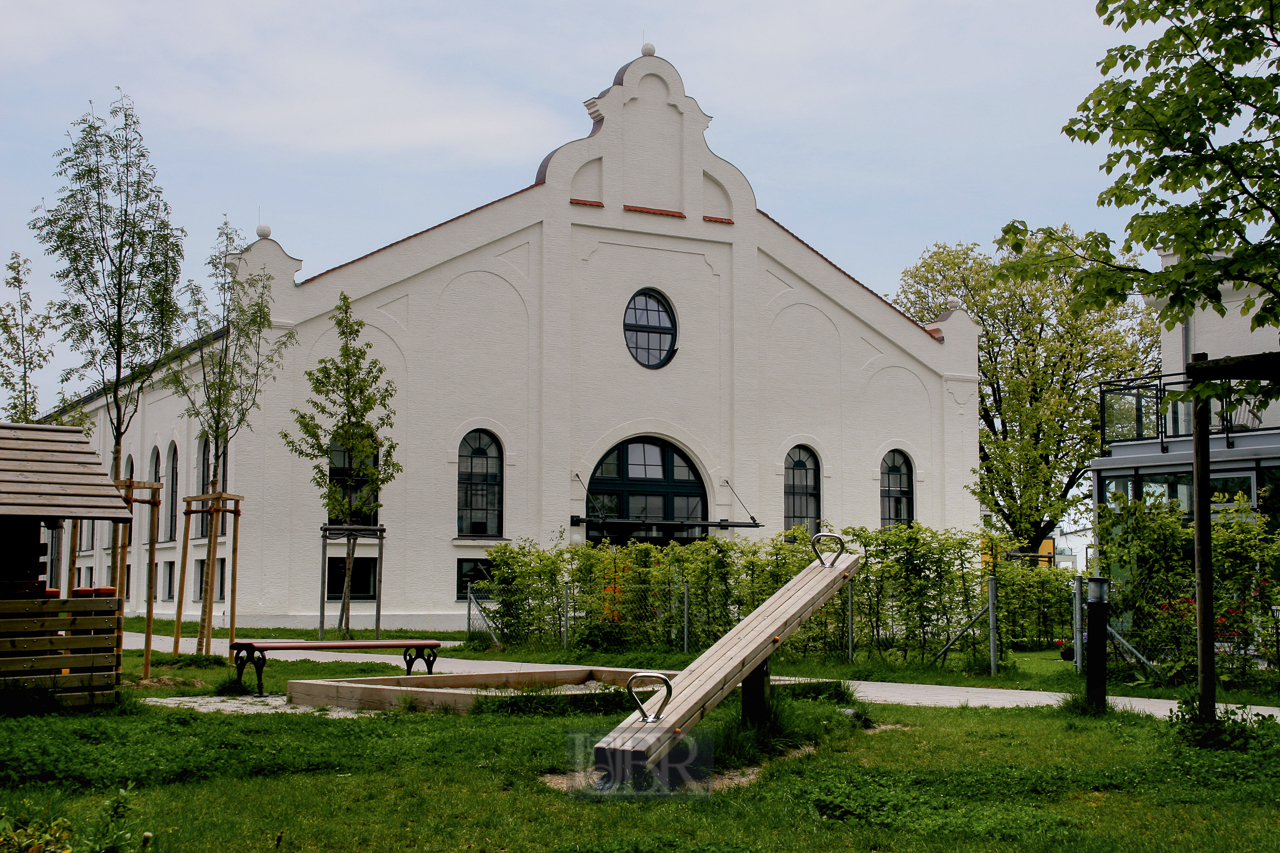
(870, 129)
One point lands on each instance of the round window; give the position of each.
(649, 326)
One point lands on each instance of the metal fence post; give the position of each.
(848, 595)
(1077, 626)
(991, 620)
(686, 617)
(565, 625)
(468, 610)
(324, 577)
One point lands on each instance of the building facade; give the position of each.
(626, 348)
(1147, 439)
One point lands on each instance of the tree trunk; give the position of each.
(344, 618)
(204, 641)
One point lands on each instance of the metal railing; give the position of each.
(1141, 409)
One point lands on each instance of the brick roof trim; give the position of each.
(419, 233)
(847, 275)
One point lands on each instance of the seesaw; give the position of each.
(739, 657)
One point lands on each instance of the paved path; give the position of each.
(878, 692)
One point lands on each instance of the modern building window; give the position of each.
(649, 327)
(169, 582)
(128, 581)
(473, 571)
(172, 490)
(341, 470)
(480, 485)
(364, 572)
(897, 490)
(801, 490)
(641, 489)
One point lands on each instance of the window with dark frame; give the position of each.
(219, 583)
(473, 570)
(645, 479)
(173, 494)
(897, 498)
(128, 475)
(340, 471)
(649, 328)
(155, 478)
(364, 572)
(801, 490)
(170, 589)
(480, 485)
(206, 486)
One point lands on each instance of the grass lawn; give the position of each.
(953, 780)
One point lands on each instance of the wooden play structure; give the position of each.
(215, 505)
(739, 657)
(70, 646)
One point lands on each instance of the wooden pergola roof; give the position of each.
(54, 472)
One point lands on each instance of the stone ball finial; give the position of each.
(264, 231)
(648, 49)
(953, 304)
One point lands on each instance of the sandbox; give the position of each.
(454, 691)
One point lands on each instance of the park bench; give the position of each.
(255, 652)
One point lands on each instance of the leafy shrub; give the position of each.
(1232, 728)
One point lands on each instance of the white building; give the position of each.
(1148, 451)
(629, 322)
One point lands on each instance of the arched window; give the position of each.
(801, 497)
(172, 489)
(649, 327)
(897, 501)
(206, 484)
(645, 489)
(155, 478)
(480, 485)
(128, 475)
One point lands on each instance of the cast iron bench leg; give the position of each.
(259, 661)
(413, 655)
(242, 659)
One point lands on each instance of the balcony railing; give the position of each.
(1140, 410)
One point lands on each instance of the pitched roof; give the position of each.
(54, 472)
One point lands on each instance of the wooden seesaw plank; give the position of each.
(723, 666)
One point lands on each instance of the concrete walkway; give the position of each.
(878, 692)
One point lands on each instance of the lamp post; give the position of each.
(1095, 689)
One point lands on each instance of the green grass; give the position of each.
(164, 628)
(953, 780)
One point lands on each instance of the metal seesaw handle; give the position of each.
(816, 550)
(646, 718)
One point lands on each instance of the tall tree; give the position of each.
(1192, 121)
(222, 373)
(344, 429)
(121, 263)
(1039, 365)
(23, 349)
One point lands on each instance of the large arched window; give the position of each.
(480, 485)
(171, 487)
(128, 475)
(897, 498)
(801, 498)
(649, 326)
(645, 489)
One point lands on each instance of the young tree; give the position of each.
(1192, 119)
(343, 429)
(121, 264)
(1039, 365)
(22, 347)
(222, 373)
